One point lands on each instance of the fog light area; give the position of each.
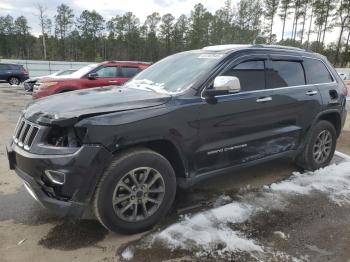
(56, 177)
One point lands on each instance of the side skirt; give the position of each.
(185, 183)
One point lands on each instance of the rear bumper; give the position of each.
(24, 77)
(343, 116)
(82, 171)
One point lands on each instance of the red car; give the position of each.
(94, 75)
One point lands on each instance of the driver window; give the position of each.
(109, 71)
(251, 74)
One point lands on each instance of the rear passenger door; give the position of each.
(319, 75)
(296, 102)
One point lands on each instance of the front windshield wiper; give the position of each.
(152, 89)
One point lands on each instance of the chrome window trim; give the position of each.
(249, 55)
(279, 88)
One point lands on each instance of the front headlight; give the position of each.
(65, 136)
(44, 85)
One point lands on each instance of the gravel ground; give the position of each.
(317, 229)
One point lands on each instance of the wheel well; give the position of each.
(169, 151)
(64, 91)
(334, 119)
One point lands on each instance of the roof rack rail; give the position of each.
(224, 47)
(130, 62)
(279, 47)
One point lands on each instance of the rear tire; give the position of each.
(122, 198)
(14, 81)
(320, 147)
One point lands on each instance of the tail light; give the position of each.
(346, 86)
(25, 72)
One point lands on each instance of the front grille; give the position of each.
(25, 133)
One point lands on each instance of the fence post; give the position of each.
(50, 67)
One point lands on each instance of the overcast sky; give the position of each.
(110, 8)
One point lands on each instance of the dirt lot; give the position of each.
(309, 228)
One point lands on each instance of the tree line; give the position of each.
(89, 37)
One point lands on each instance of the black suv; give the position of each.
(123, 150)
(13, 74)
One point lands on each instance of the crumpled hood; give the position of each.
(76, 104)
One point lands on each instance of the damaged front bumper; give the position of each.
(81, 169)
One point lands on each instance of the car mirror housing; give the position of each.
(92, 76)
(224, 85)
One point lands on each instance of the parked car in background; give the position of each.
(13, 74)
(343, 76)
(123, 150)
(94, 75)
(29, 83)
(347, 83)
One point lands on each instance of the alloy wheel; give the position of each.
(14, 81)
(138, 194)
(322, 147)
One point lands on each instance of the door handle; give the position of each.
(311, 93)
(264, 99)
(113, 81)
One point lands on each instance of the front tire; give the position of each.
(28, 86)
(135, 192)
(320, 147)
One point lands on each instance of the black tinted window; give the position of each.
(15, 67)
(251, 74)
(3, 67)
(287, 73)
(129, 71)
(316, 72)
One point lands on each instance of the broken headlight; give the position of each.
(65, 136)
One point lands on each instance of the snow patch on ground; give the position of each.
(128, 253)
(209, 229)
(281, 234)
(333, 180)
(204, 232)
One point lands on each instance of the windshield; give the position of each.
(83, 71)
(175, 73)
(66, 72)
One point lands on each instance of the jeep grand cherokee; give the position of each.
(124, 150)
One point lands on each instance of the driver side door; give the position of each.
(240, 127)
(106, 76)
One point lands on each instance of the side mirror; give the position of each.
(224, 85)
(92, 76)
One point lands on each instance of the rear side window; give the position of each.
(129, 71)
(3, 67)
(15, 67)
(251, 74)
(287, 73)
(316, 72)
